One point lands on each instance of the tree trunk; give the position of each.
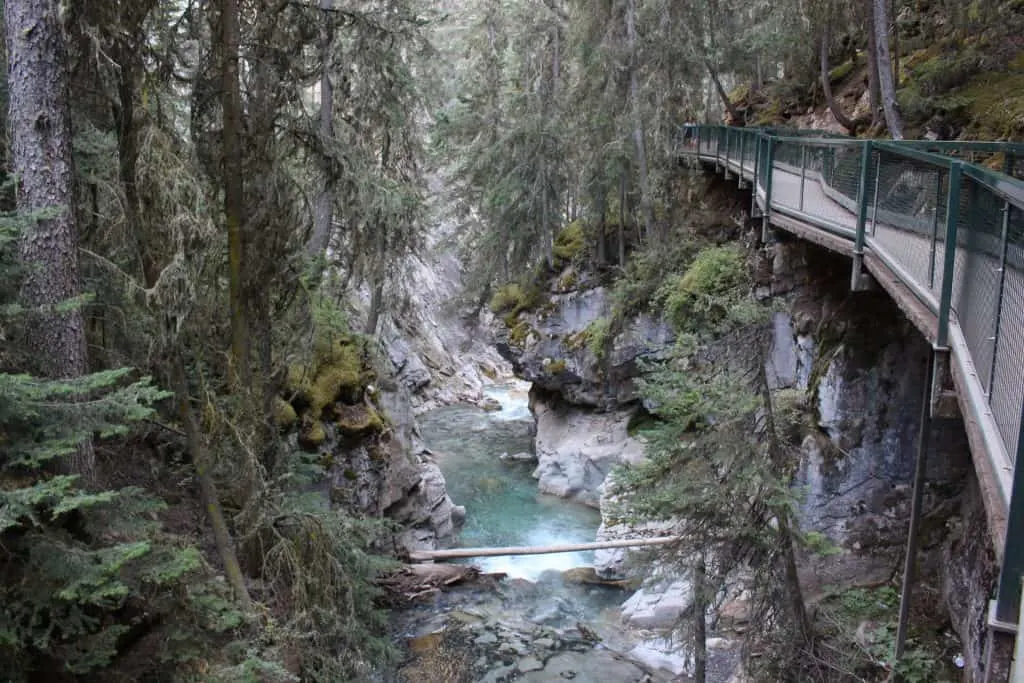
(794, 591)
(207, 488)
(40, 129)
(874, 90)
(646, 207)
(234, 196)
(601, 209)
(323, 210)
(622, 220)
(376, 303)
(826, 83)
(700, 629)
(895, 44)
(734, 113)
(128, 43)
(888, 87)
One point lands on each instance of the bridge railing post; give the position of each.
(997, 324)
(857, 276)
(949, 262)
(803, 173)
(769, 174)
(1006, 611)
(756, 177)
(743, 144)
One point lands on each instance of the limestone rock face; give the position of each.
(576, 448)
(658, 607)
(390, 474)
(555, 349)
(442, 353)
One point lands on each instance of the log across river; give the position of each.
(464, 553)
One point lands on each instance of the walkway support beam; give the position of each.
(920, 469)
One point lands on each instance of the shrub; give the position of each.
(701, 298)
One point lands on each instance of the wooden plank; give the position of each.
(463, 553)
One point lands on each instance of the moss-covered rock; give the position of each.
(555, 367)
(284, 414)
(312, 434)
(570, 242)
(358, 419)
(520, 333)
(336, 373)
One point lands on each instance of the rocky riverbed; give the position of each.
(545, 630)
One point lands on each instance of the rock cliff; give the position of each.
(847, 371)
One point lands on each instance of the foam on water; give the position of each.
(514, 398)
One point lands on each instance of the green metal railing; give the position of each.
(947, 218)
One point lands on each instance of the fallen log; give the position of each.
(413, 581)
(462, 553)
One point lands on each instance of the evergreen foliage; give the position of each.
(716, 467)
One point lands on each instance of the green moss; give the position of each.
(597, 336)
(995, 105)
(520, 333)
(313, 434)
(555, 367)
(570, 242)
(284, 414)
(842, 71)
(568, 281)
(359, 419)
(507, 299)
(514, 298)
(337, 372)
(699, 299)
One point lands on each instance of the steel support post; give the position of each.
(857, 279)
(910, 561)
(949, 263)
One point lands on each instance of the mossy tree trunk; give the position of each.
(234, 196)
(207, 488)
(874, 90)
(323, 212)
(826, 80)
(734, 113)
(646, 202)
(40, 130)
(700, 628)
(786, 537)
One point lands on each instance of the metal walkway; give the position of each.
(895, 208)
